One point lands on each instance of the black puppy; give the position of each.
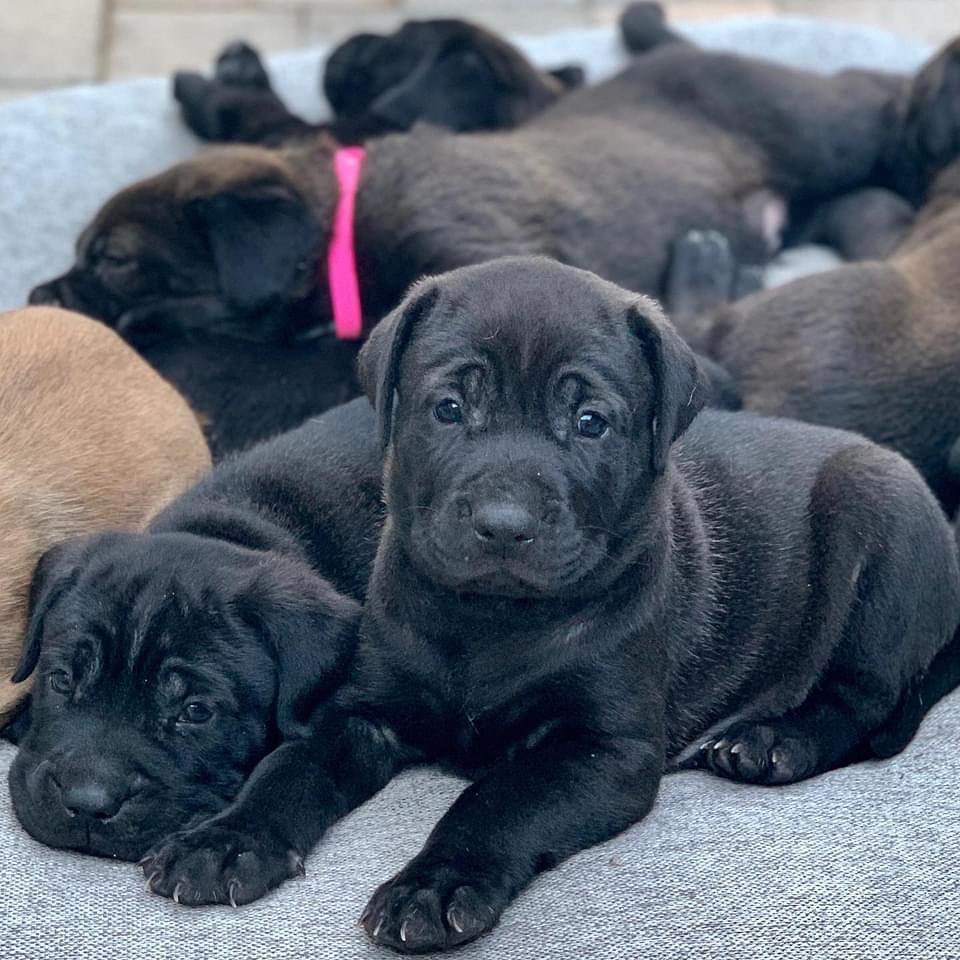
(449, 73)
(244, 393)
(170, 663)
(574, 591)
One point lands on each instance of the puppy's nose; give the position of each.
(94, 799)
(44, 295)
(504, 524)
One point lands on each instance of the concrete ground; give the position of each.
(45, 43)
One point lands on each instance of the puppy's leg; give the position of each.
(866, 224)
(290, 800)
(238, 105)
(528, 814)
(883, 601)
(703, 276)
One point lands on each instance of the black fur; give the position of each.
(563, 617)
(449, 73)
(243, 597)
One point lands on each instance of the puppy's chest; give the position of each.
(466, 707)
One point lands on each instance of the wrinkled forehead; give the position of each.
(131, 609)
(528, 327)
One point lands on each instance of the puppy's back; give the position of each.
(90, 438)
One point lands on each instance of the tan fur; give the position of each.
(91, 438)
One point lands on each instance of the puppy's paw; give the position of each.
(702, 274)
(767, 754)
(239, 65)
(219, 863)
(428, 908)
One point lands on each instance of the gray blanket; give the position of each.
(857, 864)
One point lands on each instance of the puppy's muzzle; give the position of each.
(502, 526)
(91, 790)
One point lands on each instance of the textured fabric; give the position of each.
(860, 864)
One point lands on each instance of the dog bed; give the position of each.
(859, 863)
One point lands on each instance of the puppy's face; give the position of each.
(166, 668)
(223, 244)
(535, 407)
(446, 72)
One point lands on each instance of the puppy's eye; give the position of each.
(195, 713)
(115, 259)
(60, 681)
(591, 425)
(448, 411)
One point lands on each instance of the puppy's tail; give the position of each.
(643, 27)
(941, 677)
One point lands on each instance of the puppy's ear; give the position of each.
(311, 630)
(678, 384)
(928, 131)
(378, 365)
(263, 239)
(55, 573)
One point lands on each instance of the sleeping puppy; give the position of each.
(173, 664)
(90, 438)
(579, 586)
(449, 73)
(869, 347)
(235, 241)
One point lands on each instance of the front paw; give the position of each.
(219, 863)
(428, 908)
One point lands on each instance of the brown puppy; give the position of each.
(90, 438)
(870, 347)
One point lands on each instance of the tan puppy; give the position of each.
(90, 438)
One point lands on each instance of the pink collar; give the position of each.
(341, 257)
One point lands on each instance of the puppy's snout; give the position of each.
(93, 795)
(45, 295)
(504, 524)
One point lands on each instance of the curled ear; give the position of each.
(55, 573)
(263, 239)
(928, 128)
(379, 360)
(311, 630)
(678, 382)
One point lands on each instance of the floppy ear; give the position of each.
(311, 630)
(928, 135)
(678, 383)
(378, 365)
(263, 239)
(55, 573)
